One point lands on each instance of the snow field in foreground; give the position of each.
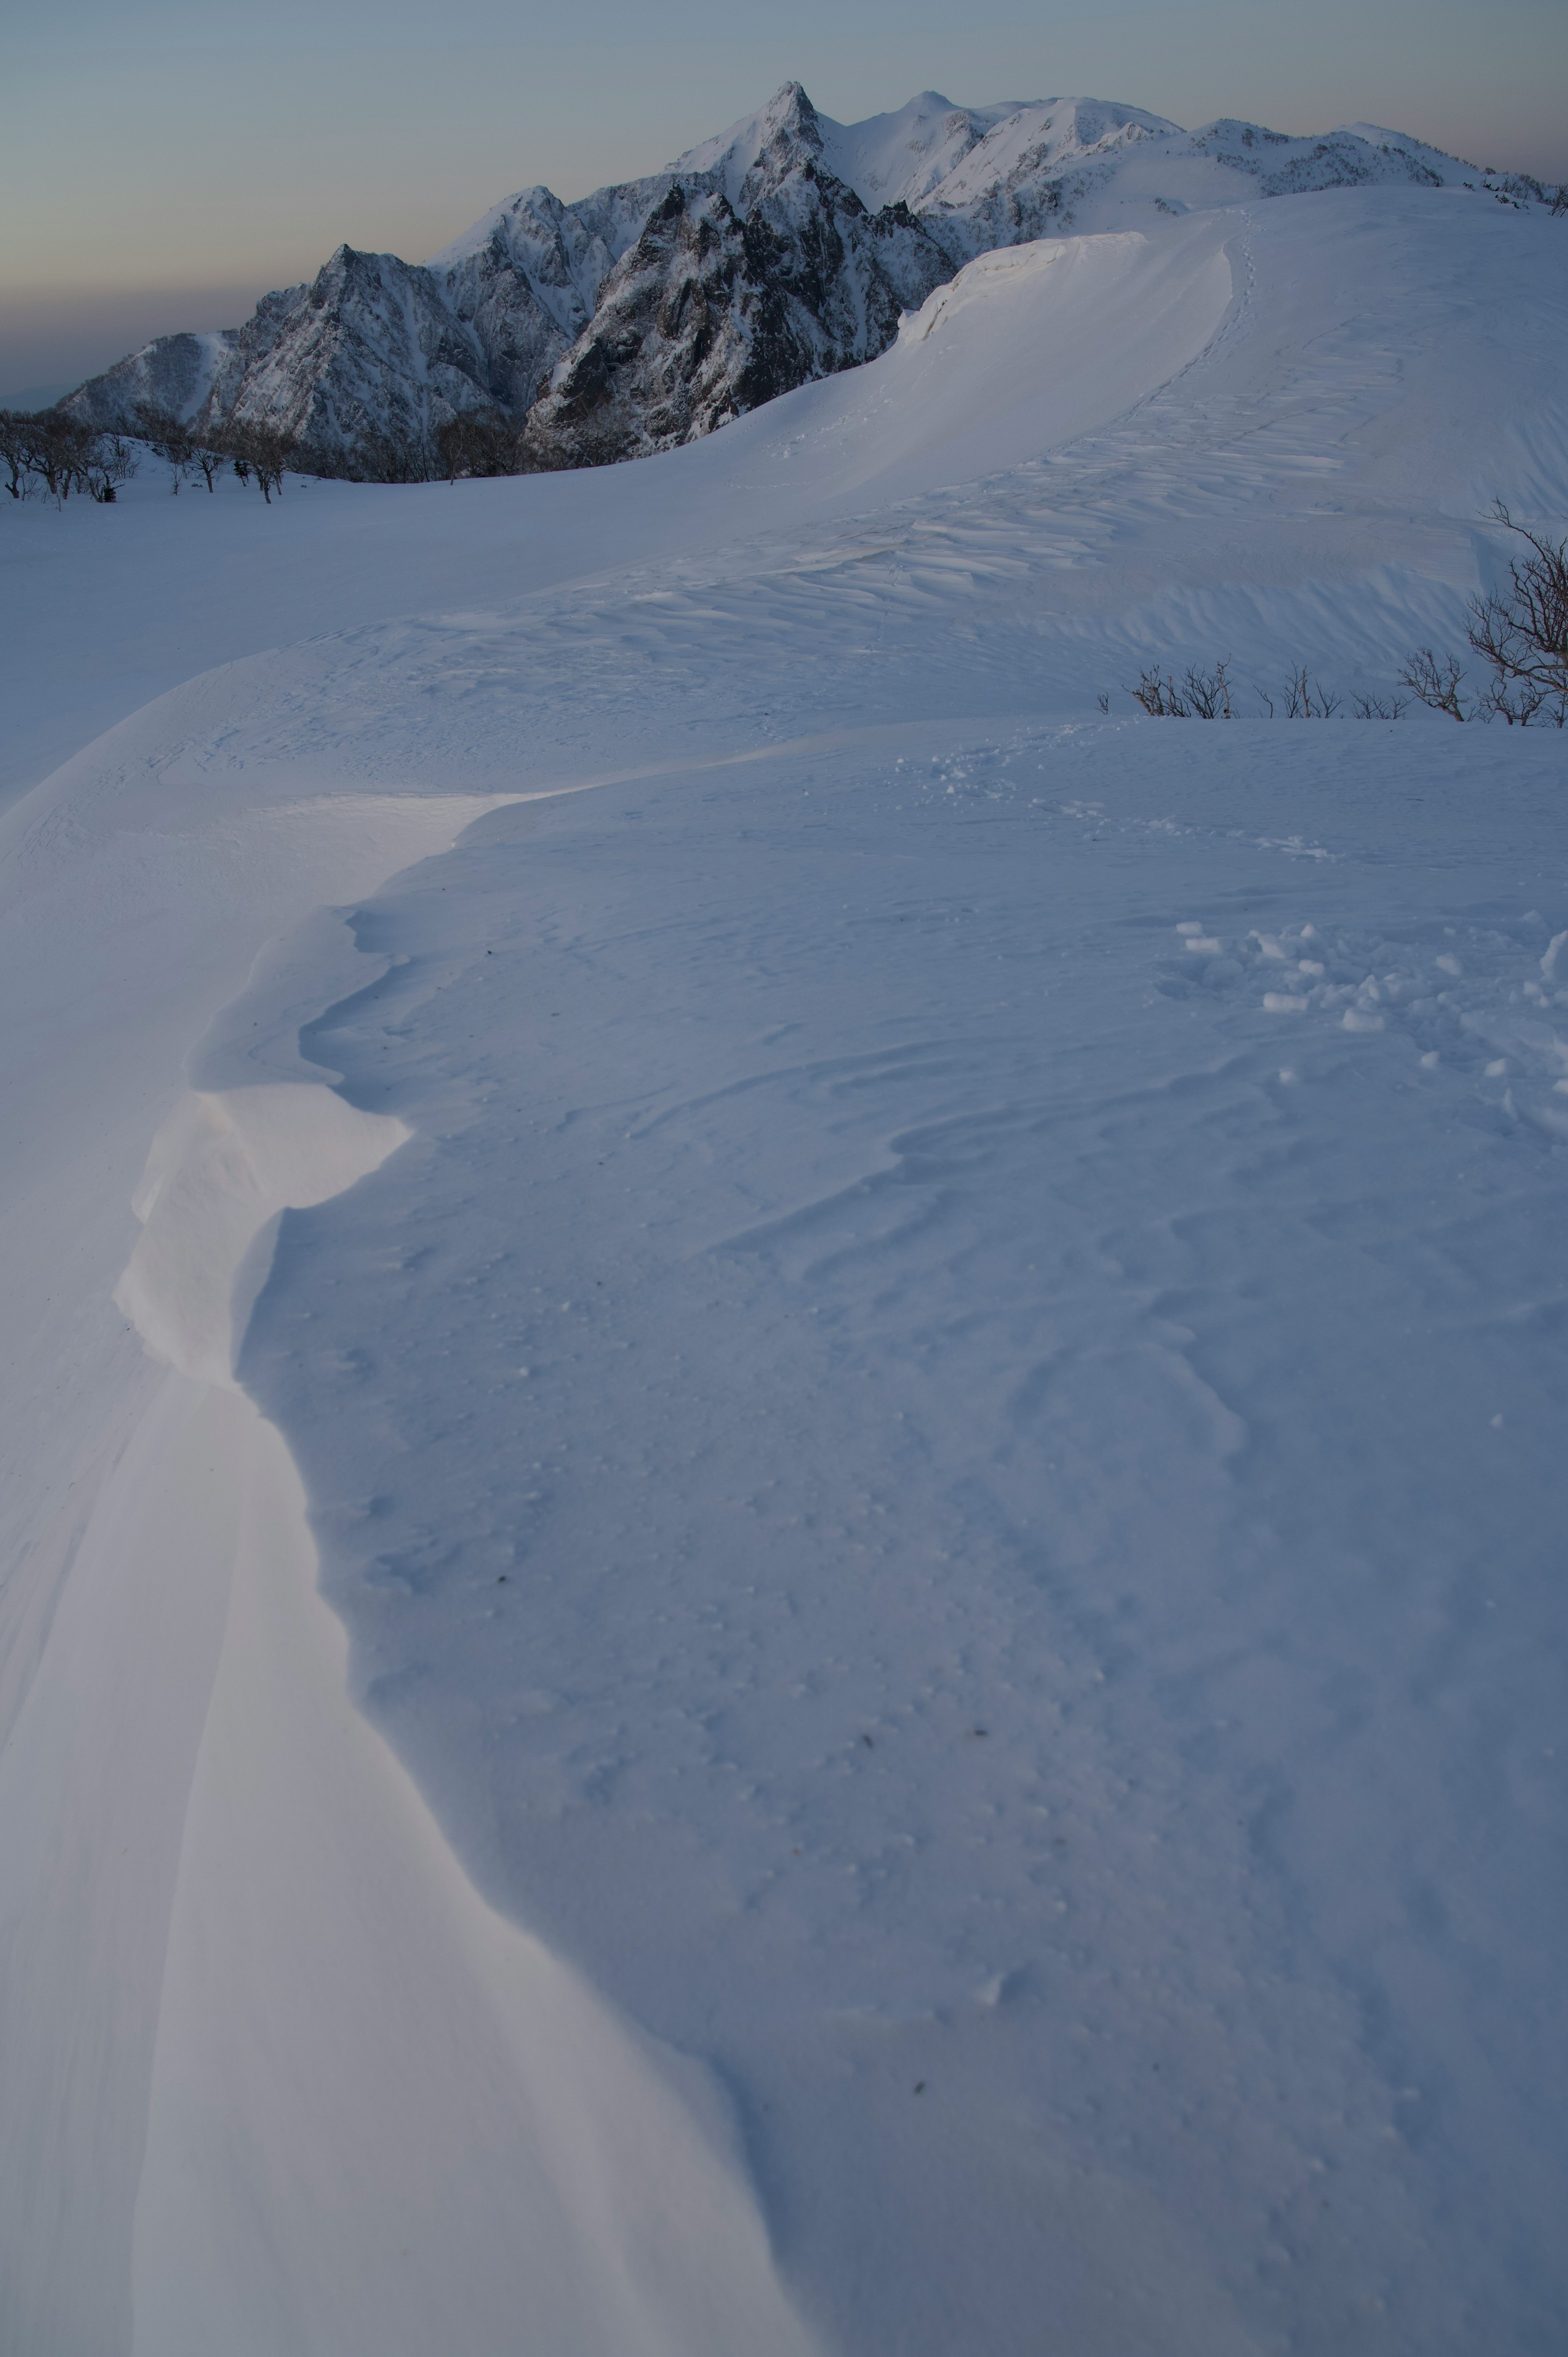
(940, 1453)
(949, 1498)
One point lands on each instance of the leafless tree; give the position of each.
(479, 442)
(168, 437)
(257, 451)
(16, 451)
(109, 461)
(269, 453)
(60, 449)
(1519, 633)
(1522, 635)
(377, 457)
(1437, 684)
(1380, 707)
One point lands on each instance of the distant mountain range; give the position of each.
(651, 312)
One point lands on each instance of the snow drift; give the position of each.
(934, 1462)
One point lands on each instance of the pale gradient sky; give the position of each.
(163, 165)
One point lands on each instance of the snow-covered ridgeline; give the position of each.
(1015, 1322)
(784, 248)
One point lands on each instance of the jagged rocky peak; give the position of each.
(759, 269)
(758, 151)
(653, 310)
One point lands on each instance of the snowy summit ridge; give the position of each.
(645, 315)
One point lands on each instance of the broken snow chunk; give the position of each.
(1497, 1068)
(1357, 1018)
(1284, 1002)
(1190, 928)
(1204, 944)
(1452, 965)
(1554, 951)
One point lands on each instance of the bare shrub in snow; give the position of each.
(1302, 698)
(1159, 696)
(1202, 695)
(1207, 695)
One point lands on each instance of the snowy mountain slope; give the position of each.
(990, 1250)
(370, 354)
(649, 313)
(1076, 164)
(968, 170)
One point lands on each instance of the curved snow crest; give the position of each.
(1026, 350)
(259, 1131)
(548, 2161)
(222, 1171)
(1001, 272)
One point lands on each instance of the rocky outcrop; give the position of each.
(652, 311)
(721, 306)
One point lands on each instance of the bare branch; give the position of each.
(1435, 683)
(1522, 635)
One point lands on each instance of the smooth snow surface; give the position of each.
(916, 1336)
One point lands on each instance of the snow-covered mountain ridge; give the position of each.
(880, 1633)
(645, 315)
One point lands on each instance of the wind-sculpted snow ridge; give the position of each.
(981, 1338)
(648, 314)
(640, 2230)
(937, 1462)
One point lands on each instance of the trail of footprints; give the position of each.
(1488, 1002)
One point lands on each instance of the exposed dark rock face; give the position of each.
(714, 310)
(653, 311)
(661, 357)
